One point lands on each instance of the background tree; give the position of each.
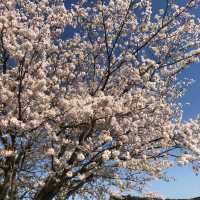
(89, 96)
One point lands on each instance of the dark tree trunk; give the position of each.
(5, 187)
(49, 191)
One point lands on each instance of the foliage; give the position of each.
(89, 96)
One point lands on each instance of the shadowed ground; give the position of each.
(143, 198)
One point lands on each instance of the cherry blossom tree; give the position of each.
(89, 96)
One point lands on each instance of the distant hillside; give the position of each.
(145, 198)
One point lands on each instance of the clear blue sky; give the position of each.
(186, 185)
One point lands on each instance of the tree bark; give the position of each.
(5, 187)
(49, 191)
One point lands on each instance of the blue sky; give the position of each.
(187, 184)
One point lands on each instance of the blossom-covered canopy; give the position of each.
(89, 96)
